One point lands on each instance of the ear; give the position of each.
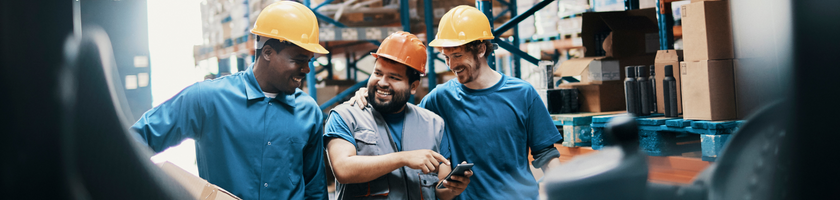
(266, 53)
(481, 50)
(414, 86)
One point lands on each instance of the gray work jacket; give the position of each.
(422, 129)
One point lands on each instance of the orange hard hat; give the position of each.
(462, 25)
(290, 21)
(405, 48)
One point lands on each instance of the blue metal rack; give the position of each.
(484, 5)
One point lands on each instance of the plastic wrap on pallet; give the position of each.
(569, 26)
(527, 27)
(608, 5)
(572, 7)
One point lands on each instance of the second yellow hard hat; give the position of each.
(462, 25)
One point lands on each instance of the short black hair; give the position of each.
(410, 72)
(275, 44)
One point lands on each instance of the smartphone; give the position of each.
(458, 171)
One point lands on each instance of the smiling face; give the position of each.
(388, 87)
(464, 63)
(285, 69)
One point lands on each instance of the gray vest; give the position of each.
(422, 129)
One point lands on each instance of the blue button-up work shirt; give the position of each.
(254, 146)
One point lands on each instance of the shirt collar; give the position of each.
(253, 90)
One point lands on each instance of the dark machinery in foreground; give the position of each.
(755, 164)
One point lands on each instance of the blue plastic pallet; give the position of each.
(661, 136)
(576, 127)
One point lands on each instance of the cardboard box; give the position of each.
(603, 97)
(198, 187)
(708, 90)
(673, 58)
(707, 31)
(590, 69)
(632, 33)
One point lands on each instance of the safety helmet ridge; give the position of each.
(405, 48)
(290, 21)
(462, 25)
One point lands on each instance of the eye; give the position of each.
(458, 56)
(395, 78)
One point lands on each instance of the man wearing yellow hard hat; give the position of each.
(257, 135)
(391, 149)
(492, 119)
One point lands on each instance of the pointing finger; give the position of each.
(440, 158)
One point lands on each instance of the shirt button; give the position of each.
(269, 143)
(266, 184)
(269, 103)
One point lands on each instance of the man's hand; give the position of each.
(360, 99)
(424, 159)
(455, 187)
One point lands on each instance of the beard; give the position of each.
(398, 100)
(471, 71)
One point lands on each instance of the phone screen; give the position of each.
(458, 171)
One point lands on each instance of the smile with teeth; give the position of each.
(459, 71)
(382, 92)
(296, 79)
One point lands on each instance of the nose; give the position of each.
(305, 69)
(382, 83)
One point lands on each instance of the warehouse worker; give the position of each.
(391, 149)
(492, 119)
(257, 135)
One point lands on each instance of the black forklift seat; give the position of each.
(101, 158)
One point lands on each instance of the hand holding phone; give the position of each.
(458, 171)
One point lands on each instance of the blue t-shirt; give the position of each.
(337, 128)
(493, 128)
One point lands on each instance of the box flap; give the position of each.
(669, 56)
(574, 67)
(193, 184)
(196, 186)
(628, 29)
(619, 23)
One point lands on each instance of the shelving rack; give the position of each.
(340, 39)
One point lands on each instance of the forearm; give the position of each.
(554, 162)
(360, 169)
(446, 193)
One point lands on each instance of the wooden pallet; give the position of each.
(662, 136)
(576, 127)
(661, 169)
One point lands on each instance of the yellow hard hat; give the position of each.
(290, 21)
(405, 48)
(462, 25)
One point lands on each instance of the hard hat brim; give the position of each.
(453, 42)
(392, 58)
(315, 48)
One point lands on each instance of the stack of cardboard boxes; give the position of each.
(707, 75)
(612, 40)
